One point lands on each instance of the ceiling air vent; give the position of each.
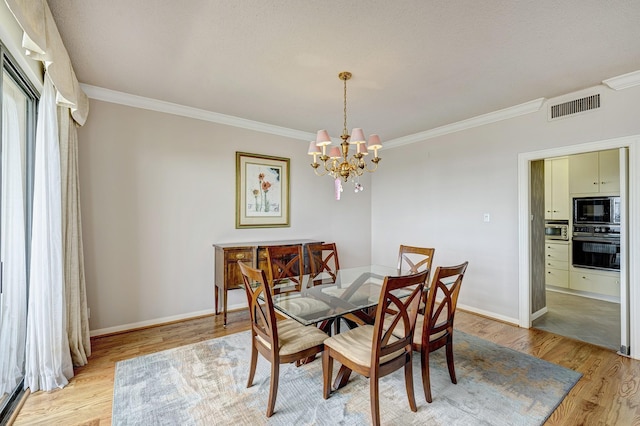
(575, 106)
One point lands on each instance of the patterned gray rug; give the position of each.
(204, 384)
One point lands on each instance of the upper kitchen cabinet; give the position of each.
(595, 173)
(556, 189)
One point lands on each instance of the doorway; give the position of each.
(578, 298)
(629, 296)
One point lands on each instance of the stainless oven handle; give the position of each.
(597, 240)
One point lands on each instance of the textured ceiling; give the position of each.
(416, 64)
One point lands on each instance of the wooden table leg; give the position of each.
(224, 306)
(342, 378)
(216, 291)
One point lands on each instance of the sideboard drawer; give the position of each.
(238, 254)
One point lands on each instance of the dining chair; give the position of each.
(379, 349)
(434, 329)
(413, 259)
(323, 258)
(286, 272)
(286, 265)
(279, 342)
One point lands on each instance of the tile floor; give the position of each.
(589, 320)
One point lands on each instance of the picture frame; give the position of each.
(262, 191)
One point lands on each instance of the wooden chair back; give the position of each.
(414, 259)
(396, 316)
(442, 300)
(323, 257)
(300, 342)
(286, 266)
(263, 317)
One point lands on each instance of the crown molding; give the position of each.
(99, 93)
(623, 81)
(480, 120)
(113, 96)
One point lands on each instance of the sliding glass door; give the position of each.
(18, 131)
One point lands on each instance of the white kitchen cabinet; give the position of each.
(594, 173)
(609, 168)
(557, 203)
(556, 264)
(599, 282)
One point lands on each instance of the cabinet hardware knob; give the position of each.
(595, 183)
(602, 183)
(240, 256)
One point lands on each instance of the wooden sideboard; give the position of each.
(227, 274)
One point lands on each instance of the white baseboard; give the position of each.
(539, 313)
(150, 323)
(491, 315)
(164, 320)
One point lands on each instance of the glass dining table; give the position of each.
(349, 296)
(329, 296)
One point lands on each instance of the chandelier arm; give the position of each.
(375, 166)
(331, 166)
(315, 170)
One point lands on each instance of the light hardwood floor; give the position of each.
(607, 394)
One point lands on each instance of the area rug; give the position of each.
(205, 384)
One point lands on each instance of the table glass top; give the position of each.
(324, 297)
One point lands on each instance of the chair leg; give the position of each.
(273, 386)
(327, 372)
(408, 381)
(252, 364)
(452, 369)
(426, 382)
(375, 400)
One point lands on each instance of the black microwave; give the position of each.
(597, 210)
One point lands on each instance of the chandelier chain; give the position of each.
(344, 129)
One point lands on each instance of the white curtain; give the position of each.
(13, 300)
(75, 288)
(48, 361)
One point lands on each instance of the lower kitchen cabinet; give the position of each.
(557, 277)
(556, 264)
(600, 282)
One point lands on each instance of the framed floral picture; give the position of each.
(262, 191)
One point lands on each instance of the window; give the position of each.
(17, 124)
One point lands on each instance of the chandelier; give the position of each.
(336, 161)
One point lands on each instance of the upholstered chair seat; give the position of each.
(294, 337)
(355, 344)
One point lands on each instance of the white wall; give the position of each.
(434, 193)
(157, 190)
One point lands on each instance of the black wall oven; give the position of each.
(596, 253)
